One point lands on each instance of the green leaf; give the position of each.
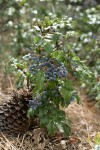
(64, 127)
(67, 129)
(66, 89)
(51, 127)
(22, 2)
(76, 58)
(65, 93)
(58, 54)
(51, 85)
(68, 85)
(55, 37)
(44, 121)
(30, 113)
(60, 128)
(40, 78)
(48, 48)
(43, 112)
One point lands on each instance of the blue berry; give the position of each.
(72, 99)
(31, 102)
(35, 103)
(44, 92)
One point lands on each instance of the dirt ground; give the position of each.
(85, 120)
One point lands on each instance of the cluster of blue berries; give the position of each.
(63, 70)
(53, 69)
(35, 103)
(38, 63)
(44, 95)
(53, 72)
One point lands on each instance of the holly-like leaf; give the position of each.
(40, 78)
(48, 48)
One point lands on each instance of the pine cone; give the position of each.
(13, 113)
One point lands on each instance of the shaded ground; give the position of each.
(85, 120)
